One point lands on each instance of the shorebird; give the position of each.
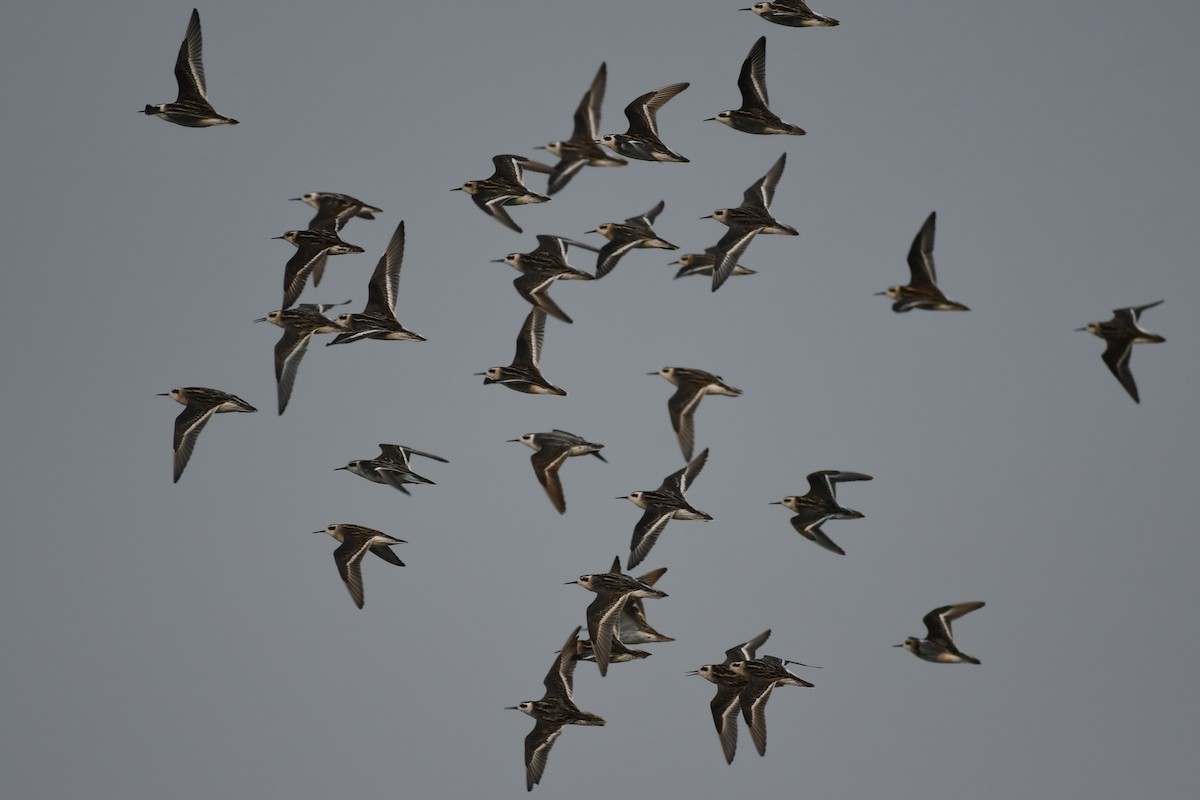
(378, 320)
(617, 654)
(550, 451)
(1121, 333)
(641, 140)
(635, 232)
(191, 107)
(703, 264)
(524, 374)
(199, 405)
(541, 267)
(762, 676)
(727, 700)
(313, 249)
(581, 149)
(820, 504)
(505, 188)
(746, 221)
(555, 710)
(922, 291)
(356, 540)
(691, 386)
(392, 467)
(335, 210)
(792, 13)
(612, 590)
(632, 626)
(754, 116)
(299, 324)
(938, 646)
(662, 505)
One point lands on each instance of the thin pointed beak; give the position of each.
(651, 373)
(479, 373)
(261, 319)
(497, 261)
(710, 119)
(880, 294)
(570, 583)
(512, 440)
(294, 198)
(897, 645)
(335, 469)
(163, 394)
(775, 503)
(708, 216)
(540, 147)
(456, 189)
(1081, 329)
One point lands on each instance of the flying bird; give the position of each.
(199, 406)
(662, 505)
(691, 386)
(551, 450)
(335, 210)
(922, 290)
(1121, 333)
(762, 676)
(613, 589)
(299, 324)
(524, 374)
(191, 107)
(505, 188)
(392, 467)
(820, 504)
(635, 232)
(754, 116)
(378, 320)
(553, 712)
(792, 13)
(356, 540)
(313, 249)
(938, 646)
(641, 141)
(581, 149)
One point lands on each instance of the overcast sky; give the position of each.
(194, 641)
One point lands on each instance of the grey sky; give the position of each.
(194, 640)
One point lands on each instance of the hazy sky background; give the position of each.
(195, 641)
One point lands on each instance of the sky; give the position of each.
(193, 640)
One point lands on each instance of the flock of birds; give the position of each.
(616, 618)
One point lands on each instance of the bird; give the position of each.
(762, 676)
(523, 374)
(754, 116)
(727, 701)
(313, 249)
(299, 324)
(505, 188)
(641, 140)
(792, 13)
(392, 467)
(939, 646)
(691, 386)
(618, 653)
(551, 449)
(581, 149)
(753, 213)
(662, 505)
(632, 626)
(553, 711)
(335, 210)
(191, 108)
(356, 540)
(922, 291)
(541, 267)
(613, 589)
(378, 320)
(635, 232)
(746, 221)
(199, 405)
(820, 504)
(703, 264)
(1121, 333)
